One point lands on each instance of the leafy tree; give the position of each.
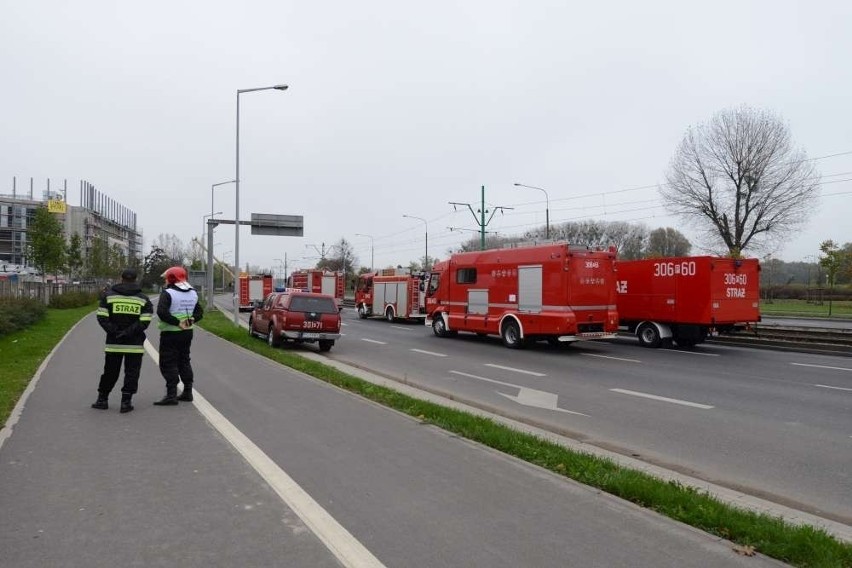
(45, 244)
(741, 179)
(155, 263)
(667, 242)
(844, 273)
(74, 255)
(831, 260)
(97, 261)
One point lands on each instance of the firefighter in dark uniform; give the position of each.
(178, 310)
(124, 313)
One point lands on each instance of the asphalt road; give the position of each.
(272, 468)
(772, 424)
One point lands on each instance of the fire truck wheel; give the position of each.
(439, 328)
(362, 311)
(272, 338)
(389, 313)
(325, 344)
(511, 335)
(648, 335)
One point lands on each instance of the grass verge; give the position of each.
(23, 351)
(839, 308)
(798, 545)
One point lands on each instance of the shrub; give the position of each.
(73, 300)
(19, 313)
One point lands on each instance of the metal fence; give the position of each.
(44, 290)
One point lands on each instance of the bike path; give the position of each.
(165, 487)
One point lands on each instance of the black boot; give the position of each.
(102, 403)
(186, 395)
(125, 403)
(170, 399)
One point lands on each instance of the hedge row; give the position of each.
(19, 313)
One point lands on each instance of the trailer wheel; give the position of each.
(439, 328)
(325, 344)
(389, 314)
(362, 311)
(511, 334)
(271, 338)
(648, 335)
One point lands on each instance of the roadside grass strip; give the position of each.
(23, 351)
(799, 545)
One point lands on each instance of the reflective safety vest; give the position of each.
(183, 305)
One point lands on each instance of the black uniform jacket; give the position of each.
(124, 313)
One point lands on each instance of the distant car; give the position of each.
(300, 317)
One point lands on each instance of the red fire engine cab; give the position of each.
(391, 293)
(684, 299)
(555, 292)
(319, 282)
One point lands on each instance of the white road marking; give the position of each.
(663, 399)
(339, 541)
(428, 353)
(689, 352)
(613, 358)
(835, 388)
(526, 396)
(821, 367)
(374, 341)
(522, 371)
(401, 327)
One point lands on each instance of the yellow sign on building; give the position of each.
(56, 206)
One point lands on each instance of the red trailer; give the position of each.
(686, 298)
(554, 292)
(392, 293)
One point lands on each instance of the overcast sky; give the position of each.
(398, 108)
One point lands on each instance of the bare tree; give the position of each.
(667, 242)
(740, 176)
(172, 246)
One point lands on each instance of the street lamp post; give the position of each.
(281, 87)
(203, 232)
(426, 257)
(547, 207)
(371, 247)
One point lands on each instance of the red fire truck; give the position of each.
(391, 293)
(684, 299)
(253, 289)
(319, 282)
(554, 292)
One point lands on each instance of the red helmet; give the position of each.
(174, 275)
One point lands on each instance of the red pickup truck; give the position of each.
(300, 317)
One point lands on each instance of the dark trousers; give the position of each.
(112, 368)
(174, 358)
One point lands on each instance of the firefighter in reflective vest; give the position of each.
(124, 313)
(178, 310)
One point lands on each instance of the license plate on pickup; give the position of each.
(310, 335)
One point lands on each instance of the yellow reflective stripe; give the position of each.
(125, 299)
(163, 326)
(103, 312)
(124, 349)
(145, 317)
